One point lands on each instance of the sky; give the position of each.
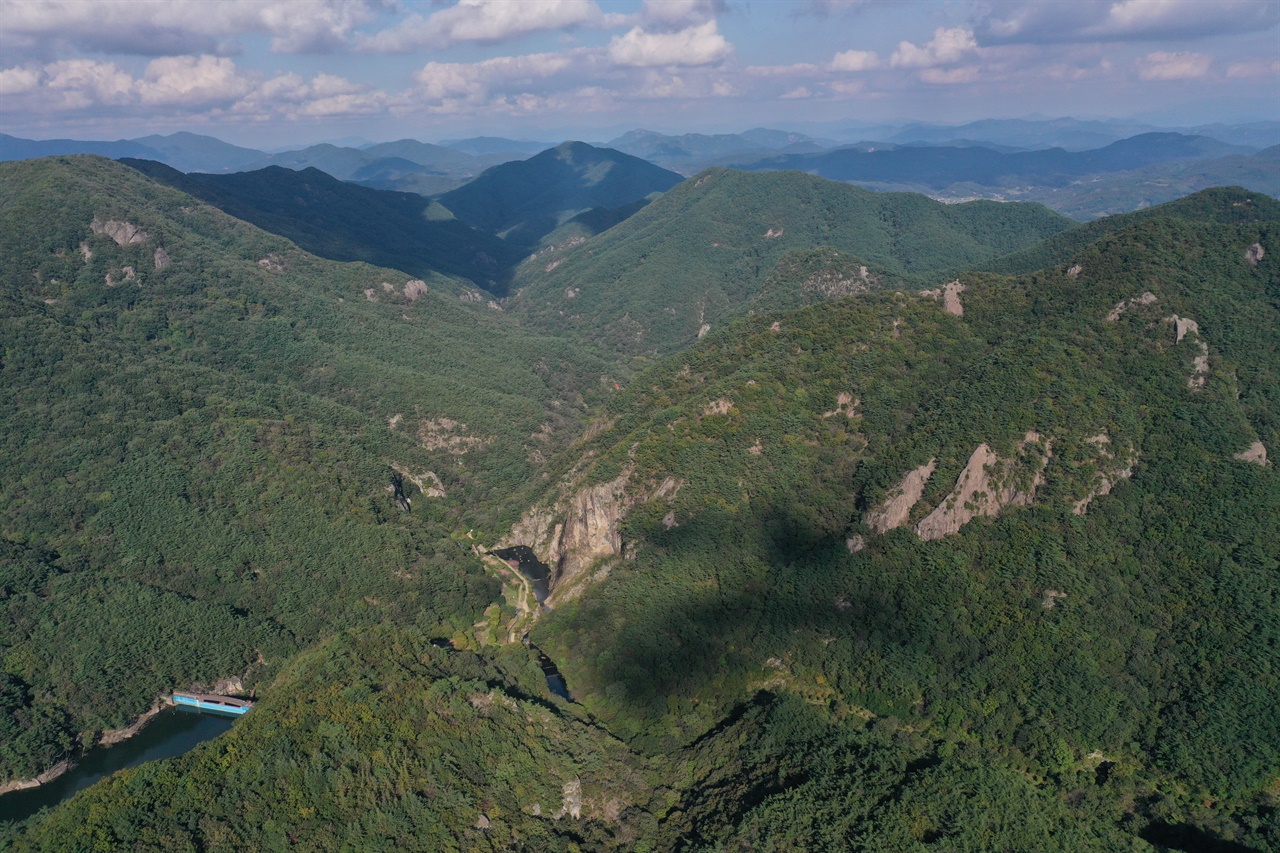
(276, 72)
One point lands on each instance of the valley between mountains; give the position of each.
(867, 521)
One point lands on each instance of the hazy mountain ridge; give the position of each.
(939, 167)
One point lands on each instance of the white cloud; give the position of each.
(855, 60)
(83, 82)
(1030, 21)
(692, 46)
(486, 21)
(848, 87)
(687, 84)
(17, 81)
(1254, 68)
(1162, 65)
(948, 45)
(473, 81)
(191, 81)
(175, 27)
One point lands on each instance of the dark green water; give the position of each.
(173, 732)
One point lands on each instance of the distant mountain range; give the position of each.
(1084, 169)
(939, 167)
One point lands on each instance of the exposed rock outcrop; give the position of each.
(1256, 453)
(949, 294)
(161, 258)
(575, 533)
(987, 485)
(1075, 270)
(428, 482)
(43, 779)
(721, 406)
(1182, 326)
(571, 802)
(415, 288)
(124, 233)
(272, 263)
(110, 737)
(448, 435)
(1123, 305)
(846, 404)
(902, 497)
(1254, 254)
(1199, 367)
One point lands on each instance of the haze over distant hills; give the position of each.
(1085, 169)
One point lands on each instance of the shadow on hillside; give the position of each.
(737, 614)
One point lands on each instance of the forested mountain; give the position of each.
(219, 448)
(1031, 514)
(345, 222)
(706, 249)
(952, 560)
(525, 200)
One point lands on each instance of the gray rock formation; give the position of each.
(987, 485)
(124, 233)
(1255, 453)
(902, 497)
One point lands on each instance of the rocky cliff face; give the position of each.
(987, 485)
(897, 506)
(124, 233)
(576, 532)
(1255, 453)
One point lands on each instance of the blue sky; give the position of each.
(272, 72)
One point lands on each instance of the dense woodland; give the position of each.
(218, 465)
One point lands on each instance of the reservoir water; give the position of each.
(523, 560)
(173, 732)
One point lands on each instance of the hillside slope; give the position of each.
(705, 250)
(1031, 514)
(345, 222)
(218, 447)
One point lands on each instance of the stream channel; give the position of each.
(522, 559)
(173, 732)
